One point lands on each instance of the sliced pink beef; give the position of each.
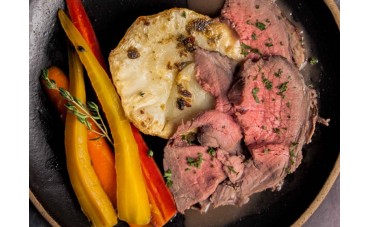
(277, 113)
(263, 30)
(273, 105)
(214, 129)
(192, 184)
(195, 183)
(215, 74)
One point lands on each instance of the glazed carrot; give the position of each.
(161, 200)
(132, 197)
(61, 80)
(80, 19)
(101, 154)
(103, 161)
(163, 207)
(102, 158)
(94, 202)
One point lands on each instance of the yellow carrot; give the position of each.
(93, 200)
(132, 198)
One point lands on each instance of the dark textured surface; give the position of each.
(49, 178)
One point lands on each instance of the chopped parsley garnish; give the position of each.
(282, 88)
(232, 170)
(211, 151)
(292, 147)
(266, 82)
(313, 61)
(183, 14)
(189, 138)
(261, 26)
(150, 153)
(254, 36)
(278, 73)
(254, 93)
(196, 162)
(247, 49)
(269, 44)
(167, 177)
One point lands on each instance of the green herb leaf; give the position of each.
(282, 89)
(189, 138)
(183, 14)
(211, 151)
(150, 153)
(254, 36)
(245, 50)
(261, 26)
(292, 147)
(92, 106)
(232, 170)
(266, 82)
(278, 73)
(168, 177)
(269, 44)
(254, 93)
(196, 162)
(313, 60)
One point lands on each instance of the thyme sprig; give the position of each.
(81, 111)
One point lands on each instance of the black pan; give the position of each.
(50, 189)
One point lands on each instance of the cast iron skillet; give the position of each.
(50, 189)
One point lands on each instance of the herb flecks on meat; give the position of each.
(195, 162)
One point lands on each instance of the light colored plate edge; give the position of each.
(42, 210)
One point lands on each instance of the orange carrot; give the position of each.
(62, 81)
(102, 158)
(163, 205)
(101, 154)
